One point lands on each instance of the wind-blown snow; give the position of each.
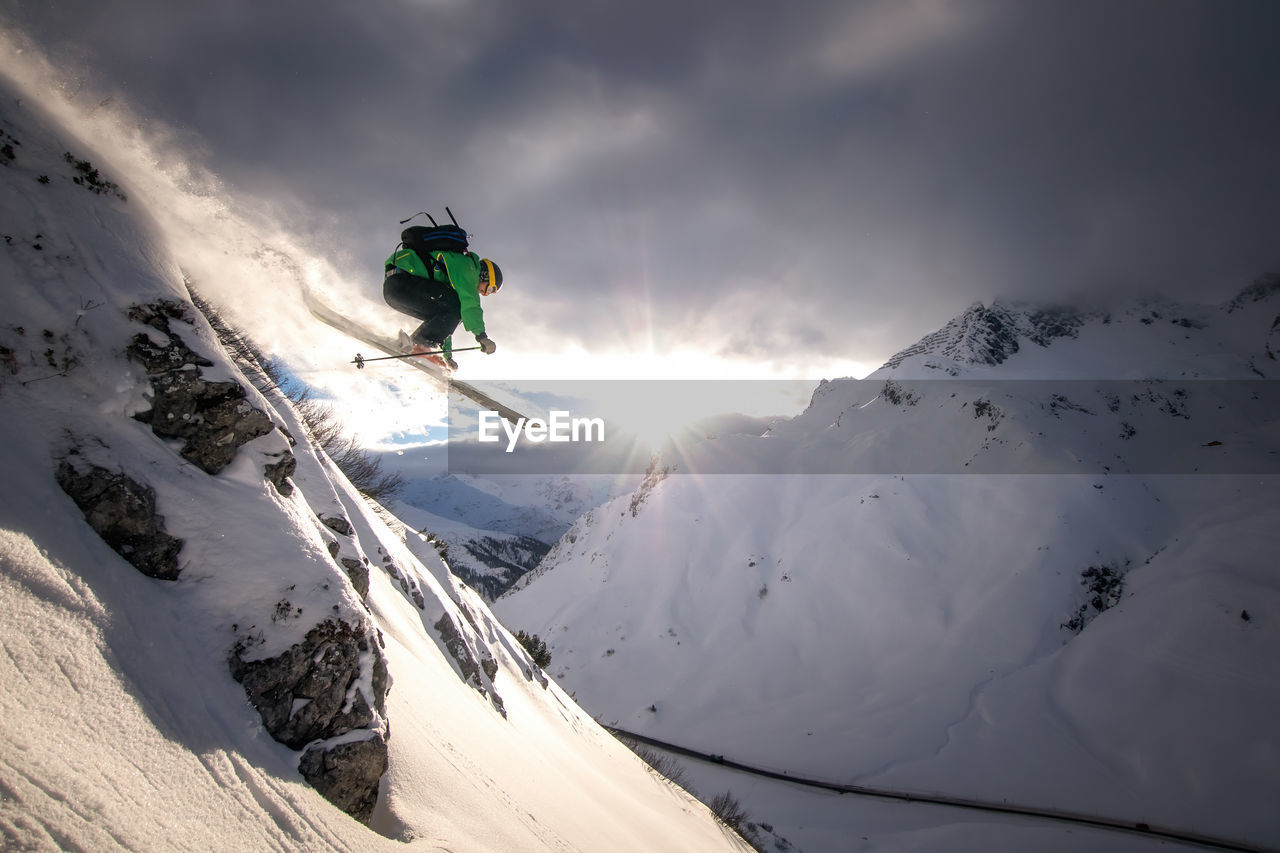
(121, 724)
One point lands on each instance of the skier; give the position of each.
(433, 278)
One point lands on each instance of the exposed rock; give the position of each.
(895, 394)
(471, 669)
(991, 335)
(123, 512)
(1261, 290)
(213, 418)
(347, 774)
(309, 692)
(279, 472)
(157, 358)
(654, 475)
(358, 571)
(457, 648)
(172, 354)
(407, 585)
(337, 524)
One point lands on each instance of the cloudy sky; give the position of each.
(808, 185)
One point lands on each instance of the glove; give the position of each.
(486, 346)
(453, 365)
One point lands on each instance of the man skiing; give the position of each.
(432, 277)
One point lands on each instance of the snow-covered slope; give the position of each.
(122, 724)
(497, 529)
(1095, 641)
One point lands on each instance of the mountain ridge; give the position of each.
(926, 626)
(991, 335)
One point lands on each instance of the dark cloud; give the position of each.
(809, 180)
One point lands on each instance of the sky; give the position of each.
(722, 188)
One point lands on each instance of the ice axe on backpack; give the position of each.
(432, 218)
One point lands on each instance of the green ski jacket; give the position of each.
(462, 272)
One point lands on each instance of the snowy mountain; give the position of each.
(494, 530)
(1030, 560)
(211, 640)
(1143, 339)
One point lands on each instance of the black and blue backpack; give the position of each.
(438, 238)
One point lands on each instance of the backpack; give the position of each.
(438, 238)
(442, 238)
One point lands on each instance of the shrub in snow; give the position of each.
(536, 647)
(897, 395)
(984, 408)
(1104, 586)
(661, 763)
(7, 152)
(88, 177)
(729, 810)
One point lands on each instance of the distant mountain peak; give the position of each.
(990, 335)
(1261, 290)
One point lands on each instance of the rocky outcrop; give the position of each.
(983, 335)
(123, 512)
(356, 567)
(408, 585)
(323, 696)
(315, 691)
(474, 672)
(1262, 290)
(213, 419)
(654, 475)
(347, 774)
(310, 692)
(337, 524)
(278, 473)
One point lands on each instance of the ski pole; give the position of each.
(359, 360)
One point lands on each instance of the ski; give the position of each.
(331, 317)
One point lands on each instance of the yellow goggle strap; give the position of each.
(488, 286)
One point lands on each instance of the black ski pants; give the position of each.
(433, 302)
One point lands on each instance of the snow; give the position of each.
(907, 631)
(121, 724)
(888, 629)
(511, 521)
